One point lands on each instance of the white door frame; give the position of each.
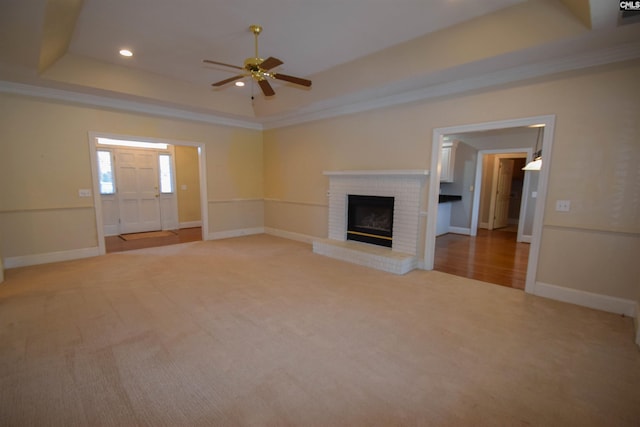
(477, 185)
(97, 201)
(434, 181)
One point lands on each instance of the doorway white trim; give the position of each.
(97, 200)
(434, 184)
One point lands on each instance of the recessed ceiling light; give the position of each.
(126, 52)
(239, 84)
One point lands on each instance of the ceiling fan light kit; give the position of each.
(259, 69)
(536, 163)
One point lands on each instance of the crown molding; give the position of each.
(390, 95)
(123, 105)
(618, 53)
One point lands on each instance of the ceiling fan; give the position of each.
(259, 69)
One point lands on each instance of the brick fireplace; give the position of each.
(406, 187)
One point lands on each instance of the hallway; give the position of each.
(492, 256)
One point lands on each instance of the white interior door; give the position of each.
(137, 174)
(503, 193)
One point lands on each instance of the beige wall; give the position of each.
(591, 260)
(188, 183)
(594, 164)
(44, 160)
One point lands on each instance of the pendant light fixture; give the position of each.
(536, 163)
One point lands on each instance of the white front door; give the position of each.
(137, 174)
(503, 193)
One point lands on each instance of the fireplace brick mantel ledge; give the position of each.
(391, 172)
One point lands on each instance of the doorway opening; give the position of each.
(506, 194)
(493, 251)
(147, 192)
(482, 153)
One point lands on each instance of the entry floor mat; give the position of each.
(136, 236)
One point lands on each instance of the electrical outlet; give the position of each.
(563, 205)
(84, 192)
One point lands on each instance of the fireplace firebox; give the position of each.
(370, 219)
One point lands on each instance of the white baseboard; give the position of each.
(460, 230)
(526, 239)
(305, 238)
(190, 224)
(170, 225)
(217, 235)
(26, 260)
(587, 299)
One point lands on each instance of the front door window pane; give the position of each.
(166, 178)
(105, 171)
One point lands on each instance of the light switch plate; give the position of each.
(563, 205)
(84, 192)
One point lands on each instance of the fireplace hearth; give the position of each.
(370, 219)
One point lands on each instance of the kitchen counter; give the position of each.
(444, 198)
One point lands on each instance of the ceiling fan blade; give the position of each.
(208, 61)
(266, 88)
(270, 63)
(292, 79)
(225, 81)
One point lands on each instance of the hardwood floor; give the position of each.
(117, 244)
(491, 256)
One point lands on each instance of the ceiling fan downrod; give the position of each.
(256, 30)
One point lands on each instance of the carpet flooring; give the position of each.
(259, 331)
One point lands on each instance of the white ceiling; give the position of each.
(172, 38)
(359, 53)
